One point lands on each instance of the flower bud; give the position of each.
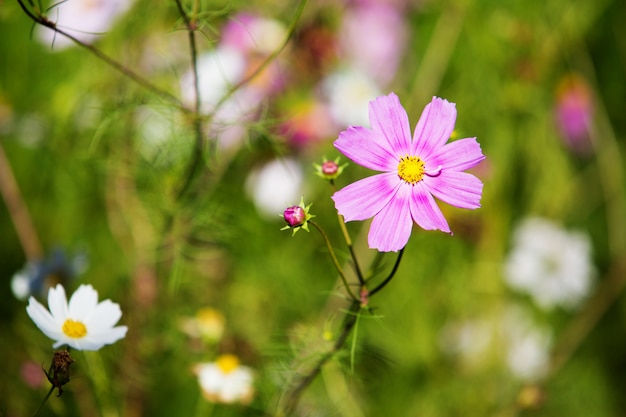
(297, 217)
(59, 372)
(294, 216)
(329, 170)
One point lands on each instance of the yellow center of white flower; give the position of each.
(74, 329)
(411, 169)
(227, 363)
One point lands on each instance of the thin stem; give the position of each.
(295, 393)
(18, 211)
(346, 236)
(196, 159)
(391, 274)
(437, 56)
(290, 31)
(44, 401)
(43, 20)
(335, 261)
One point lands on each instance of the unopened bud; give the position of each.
(329, 170)
(297, 217)
(59, 373)
(294, 216)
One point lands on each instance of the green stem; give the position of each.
(391, 274)
(196, 159)
(44, 401)
(290, 31)
(346, 236)
(335, 261)
(295, 393)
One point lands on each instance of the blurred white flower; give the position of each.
(468, 339)
(207, 324)
(86, 20)
(218, 71)
(83, 323)
(349, 92)
(528, 345)
(275, 186)
(511, 338)
(551, 264)
(161, 140)
(225, 380)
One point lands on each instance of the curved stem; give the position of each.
(290, 31)
(335, 261)
(44, 401)
(43, 20)
(391, 274)
(18, 211)
(346, 236)
(295, 393)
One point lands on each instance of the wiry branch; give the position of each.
(40, 19)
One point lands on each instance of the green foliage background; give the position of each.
(87, 187)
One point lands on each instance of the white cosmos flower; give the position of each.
(552, 265)
(225, 380)
(83, 323)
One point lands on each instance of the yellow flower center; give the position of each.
(227, 363)
(74, 329)
(411, 169)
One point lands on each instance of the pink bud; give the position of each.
(330, 168)
(294, 216)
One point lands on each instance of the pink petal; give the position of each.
(459, 155)
(388, 117)
(391, 228)
(365, 198)
(425, 211)
(434, 127)
(458, 189)
(367, 148)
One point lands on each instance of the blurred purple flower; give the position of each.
(574, 113)
(37, 277)
(373, 37)
(414, 170)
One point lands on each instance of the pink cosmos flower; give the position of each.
(414, 170)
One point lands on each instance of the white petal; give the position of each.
(104, 316)
(43, 319)
(83, 302)
(57, 303)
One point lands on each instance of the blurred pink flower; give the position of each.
(574, 113)
(86, 20)
(307, 123)
(414, 170)
(373, 37)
